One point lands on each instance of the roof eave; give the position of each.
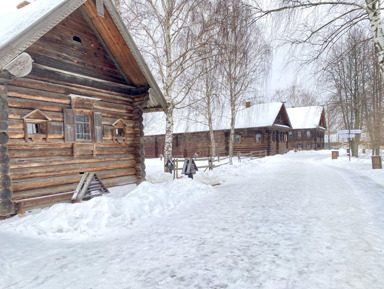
(27, 37)
(155, 89)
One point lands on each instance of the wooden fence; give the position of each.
(252, 155)
(211, 163)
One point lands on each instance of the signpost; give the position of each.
(349, 134)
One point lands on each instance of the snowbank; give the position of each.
(110, 213)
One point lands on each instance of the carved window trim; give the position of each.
(42, 123)
(119, 125)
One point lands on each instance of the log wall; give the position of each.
(6, 205)
(314, 142)
(187, 144)
(42, 166)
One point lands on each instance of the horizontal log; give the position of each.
(34, 183)
(47, 152)
(47, 73)
(46, 171)
(38, 94)
(3, 126)
(4, 114)
(34, 104)
(5, 181)
(21, 145)
(19, 113)
(3, 103)
(108, 96)
(7, 208)
(45, 52)
(46, 191)
(69, 188)
(4, 138)
(4, 169)
(63, 160)
(5, 194)
(3, 149)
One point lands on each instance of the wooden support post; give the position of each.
(7, 207)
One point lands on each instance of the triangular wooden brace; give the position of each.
(89, 186)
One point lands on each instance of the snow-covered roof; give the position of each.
(305, 117)
(258, 115)
(22, 27)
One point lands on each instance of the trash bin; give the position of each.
(376, 162)
(335, 155)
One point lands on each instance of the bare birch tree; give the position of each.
(295, 95)
(169, 33)
(245, 57)
(322, 23)
(347, 75)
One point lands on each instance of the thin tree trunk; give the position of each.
(168, 135)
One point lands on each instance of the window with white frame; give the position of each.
(258, 138)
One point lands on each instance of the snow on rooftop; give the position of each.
(258, 115)
(15, 21)
(305, 117)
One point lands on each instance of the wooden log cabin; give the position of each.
(260, 127)
(73, 88)
(308, 128)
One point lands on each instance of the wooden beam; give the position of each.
(49, 73)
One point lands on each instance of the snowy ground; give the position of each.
(299, 220)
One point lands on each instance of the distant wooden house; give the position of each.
(308, 128)
(73, 87)
(261, 127)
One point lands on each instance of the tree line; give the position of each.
(212, 55)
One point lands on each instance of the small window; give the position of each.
(258, 138)
(308, 134)
(299, 145)
(299, 134)
(119, 132)
(83, 127)
(36, 128)
(290, 134)
(309, 145)
(237, 138)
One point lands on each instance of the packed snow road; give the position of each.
(292, 221)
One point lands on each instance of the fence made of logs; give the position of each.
(205, 164)
(252, 155)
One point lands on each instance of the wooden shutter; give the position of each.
(69, 125)
(98, 124)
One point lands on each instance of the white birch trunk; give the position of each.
(168, 135)
(374, 16)
(232, 133)
(168, 90)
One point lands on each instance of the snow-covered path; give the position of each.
(284, 222)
